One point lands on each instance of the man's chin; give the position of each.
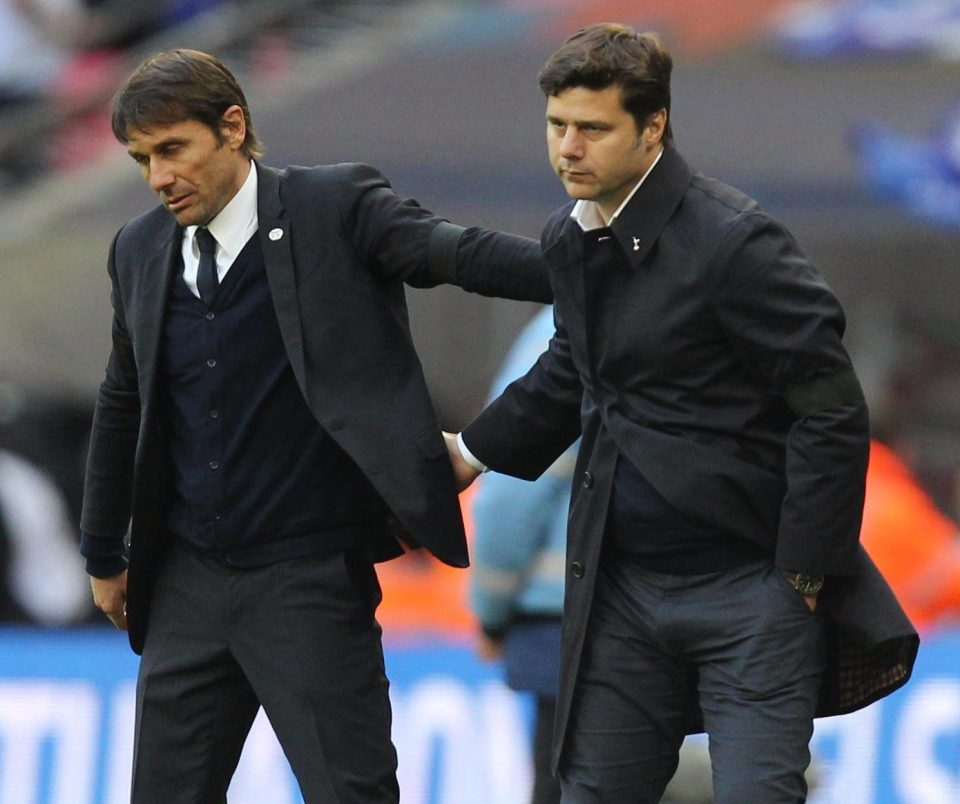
(188, 217)
(580, 192)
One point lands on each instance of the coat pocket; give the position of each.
(431, 443)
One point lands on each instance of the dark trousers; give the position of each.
(297, 637)
(742, 644)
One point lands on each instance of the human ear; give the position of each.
(655, 127)
(233, 127)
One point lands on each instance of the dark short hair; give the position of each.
(178, 85)
(608, 54)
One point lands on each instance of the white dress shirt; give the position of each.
(233, 226)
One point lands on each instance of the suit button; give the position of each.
(587, 480)
(576, 569)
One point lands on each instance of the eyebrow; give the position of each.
(166, 143)
(551, 118)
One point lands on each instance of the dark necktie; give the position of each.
(207, 281)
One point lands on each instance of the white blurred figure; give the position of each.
(45, 577)
(29, 60)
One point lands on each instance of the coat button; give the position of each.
(587, 480)
(576, 568)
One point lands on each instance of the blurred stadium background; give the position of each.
(839, 117)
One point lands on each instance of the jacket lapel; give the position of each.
(275, 240)
(639, 225)
(157, 273)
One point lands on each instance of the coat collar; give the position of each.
(160, 259)
(159, 267)
(268, 191)
(639, 225)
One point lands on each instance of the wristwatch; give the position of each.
(805, 583)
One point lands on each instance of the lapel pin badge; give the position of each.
(636, 243)
(275, 234)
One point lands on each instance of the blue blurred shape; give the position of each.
(921, 175)
(856, 28)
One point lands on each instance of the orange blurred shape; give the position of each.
(693, 26)
(914, 545)
(421, 595)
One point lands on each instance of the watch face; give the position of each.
(807, 584)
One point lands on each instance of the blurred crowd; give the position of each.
(65, 57)
(43, 41)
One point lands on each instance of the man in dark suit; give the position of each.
(265, 431)
(714, 575)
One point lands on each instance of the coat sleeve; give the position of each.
(537, 417)
(113, 441)
(400, 239)
(786, 326)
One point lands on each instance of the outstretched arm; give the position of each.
(401, 240)
(490, 263)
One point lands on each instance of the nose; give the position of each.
(571, 146)
(159, 176)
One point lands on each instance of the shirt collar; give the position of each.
(587, 214)
(236, 222)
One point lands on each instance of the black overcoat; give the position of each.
(709, 353)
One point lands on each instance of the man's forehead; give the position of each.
(146, 135)
(583, 102)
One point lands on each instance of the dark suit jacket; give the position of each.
(711, 357)
(346, 245)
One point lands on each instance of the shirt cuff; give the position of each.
(469, 457)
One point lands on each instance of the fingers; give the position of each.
(110, 596)
(118, 616)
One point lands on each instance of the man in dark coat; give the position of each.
(714, 574)
(265, 431)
